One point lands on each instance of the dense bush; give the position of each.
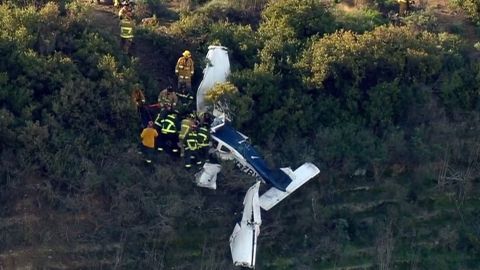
(241, 40)
(359, 20)
(56, 102)
(284, 28)
(371, 72)
(471, 7)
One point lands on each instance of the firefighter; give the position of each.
(167, 96)
(126, 25)
(403, 7)
(184, 70)
(203, 142)
(206, 118)
(169, 132)
(190, 142)
(139, 100)
(148, 136)
(137, 96)
(185, 128)
(158, 125)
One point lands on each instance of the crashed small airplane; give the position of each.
(230, 144)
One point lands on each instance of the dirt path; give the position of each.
(454, 21)
(155, 66)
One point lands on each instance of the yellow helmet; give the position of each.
(187, 53)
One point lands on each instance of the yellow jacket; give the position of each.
(148, 137)
(184, 67)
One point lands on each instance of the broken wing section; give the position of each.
(299, 177)
(216, 71)
(243, 241)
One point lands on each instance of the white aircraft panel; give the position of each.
(299, 177)
(216, 71)
(243, 241)
(207, 177)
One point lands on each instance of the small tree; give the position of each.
(220, 95)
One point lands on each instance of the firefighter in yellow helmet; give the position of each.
(185, 126)
(184, 70)
(403, 7)
(126, 25)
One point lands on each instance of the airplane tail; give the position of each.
(298, 178)
(243, 241)
(216, 70)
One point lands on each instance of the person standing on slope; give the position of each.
(149, 134)
(403, 7)
(167, 98)
(184, 70)
(203, 142)
(190, 142)
(126, 25)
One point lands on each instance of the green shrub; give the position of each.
(285, 26)
(360, 20)
(295, 19)
(353, 68)
(241, 40)
(471, 7)
(422, 21)
(191, 26)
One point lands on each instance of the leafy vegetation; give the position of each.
(389, 114)
(471, 7)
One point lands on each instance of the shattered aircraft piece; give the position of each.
(207, 176)
(243, 241)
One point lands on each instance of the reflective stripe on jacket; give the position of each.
(158, 120)
(186, 123)
(203, 137)
(168, 124)
(126, 29)
(191, 141)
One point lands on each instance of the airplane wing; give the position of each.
(237, 141)
(243, 241)
(216, 71)
(299, 177)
